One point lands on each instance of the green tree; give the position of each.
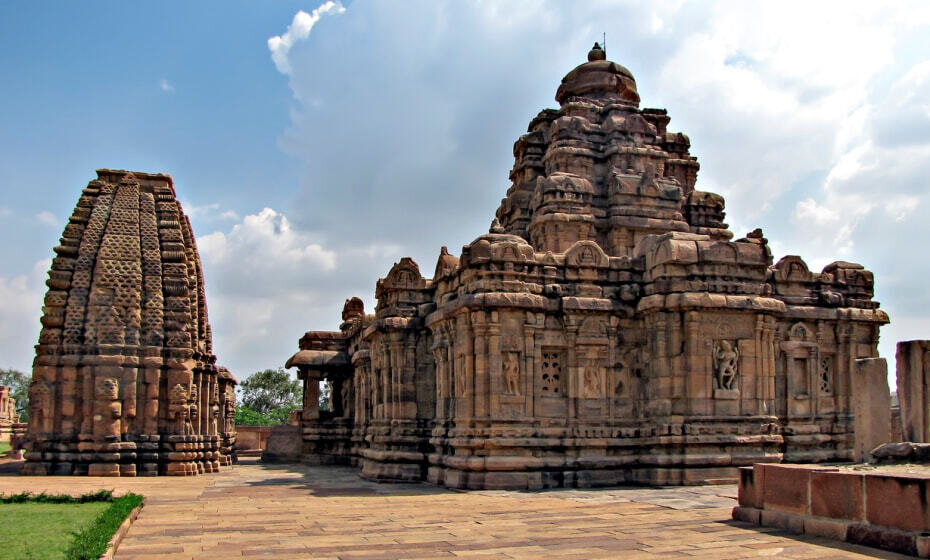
(19, 390)
(267, 398)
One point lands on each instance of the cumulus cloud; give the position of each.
(814, 128)
(298, 30)
(266, 237)
(165, 86)
(268, 282)
(20, 313)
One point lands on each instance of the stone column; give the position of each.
(871, 406)
(481, 376)
(913, 374)
(311, 408)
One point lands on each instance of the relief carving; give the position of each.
(512, 373)
(726, 364)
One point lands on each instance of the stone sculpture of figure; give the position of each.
(592, 382)
(230, 413)
(726, 360)
(107, 408)
(193, 410)
(178, 409)
(512, 373)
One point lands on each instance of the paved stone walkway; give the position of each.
(289, 511)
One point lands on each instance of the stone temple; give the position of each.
(125, 382)
(608, 329)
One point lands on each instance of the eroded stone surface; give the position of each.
(125, 381)
(607, 329)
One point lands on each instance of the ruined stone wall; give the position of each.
(125, 381)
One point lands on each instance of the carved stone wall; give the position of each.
(125, 382)
(607, 329)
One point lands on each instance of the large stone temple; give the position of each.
(608, 329)
(125, 382)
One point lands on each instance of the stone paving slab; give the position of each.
(298, 511)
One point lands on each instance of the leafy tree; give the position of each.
(245, 416)
(19, 390)
(326, 390)
(267, 398)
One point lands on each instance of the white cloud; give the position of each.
(809, 209)
(266, 238)
(20, 313)
(47, 218)
(165, 86)
(298, 30)
(267, 282)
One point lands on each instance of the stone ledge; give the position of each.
(881, 510)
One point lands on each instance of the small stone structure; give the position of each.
(125, 382)
(884, 509)
(8, 415)
(607, 329)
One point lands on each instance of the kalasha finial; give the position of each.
(495, 226)
(596, 53)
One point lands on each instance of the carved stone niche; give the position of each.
(511, 378)
(509, 400)
(801, 369)
(726, 369)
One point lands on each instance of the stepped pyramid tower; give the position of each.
(125, 382)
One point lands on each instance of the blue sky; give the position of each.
(386, 129)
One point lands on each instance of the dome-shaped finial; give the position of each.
(596, 53)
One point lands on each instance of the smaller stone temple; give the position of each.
(607, 329)
(8, 415)
(125, 381)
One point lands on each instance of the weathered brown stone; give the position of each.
(837, 495)
(125, 382)
(871, 406)
(897, 501)
(606, 329)
(913, 374)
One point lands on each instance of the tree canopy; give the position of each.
(267, 398)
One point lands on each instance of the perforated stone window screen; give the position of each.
(826, 376)
(551, 373)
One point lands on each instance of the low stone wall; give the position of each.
(283, 445)
(878, 508)
(251, 441)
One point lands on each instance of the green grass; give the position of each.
(59, 526)
(92, 540)
(42, 531)
(5, 448)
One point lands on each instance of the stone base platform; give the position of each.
(883, 507)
